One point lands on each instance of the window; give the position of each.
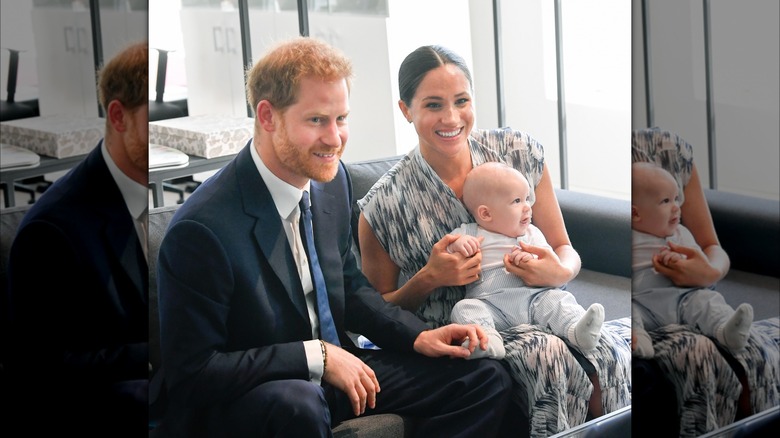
(739, 151)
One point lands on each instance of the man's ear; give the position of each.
(116, 115)
(266, 114)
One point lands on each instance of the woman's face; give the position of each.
(442, 111)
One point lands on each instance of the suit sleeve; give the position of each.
(59, 309)
(196, 288)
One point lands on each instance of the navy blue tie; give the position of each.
(327, 325)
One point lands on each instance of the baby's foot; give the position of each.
(643, 345)
(735, 332)
(495, 347)
(585, 334)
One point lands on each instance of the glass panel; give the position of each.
(597, 80)
(746, 84)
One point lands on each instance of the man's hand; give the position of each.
(349, 374)
(447, 340)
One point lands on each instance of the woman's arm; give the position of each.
(705, 267)
(442, 269)
(562, 264)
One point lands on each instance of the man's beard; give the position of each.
(298, 160)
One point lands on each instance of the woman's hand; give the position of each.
(447, 268)
(518, 256)
(695, 270)
(466, 245)
(667, 256)
(546, 270)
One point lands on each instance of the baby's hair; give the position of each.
(482, 179)
(645, 176)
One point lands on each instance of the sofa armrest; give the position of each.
(599, 229)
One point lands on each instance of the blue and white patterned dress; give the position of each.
(707, 387)
(410, 209)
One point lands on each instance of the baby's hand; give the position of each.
(519, 256)
(669, 257)
(465, 244)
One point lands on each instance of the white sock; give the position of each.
(643, 345)
(495, 347)
(735, 331)
(586, 332)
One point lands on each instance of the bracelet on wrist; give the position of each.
(324, 356)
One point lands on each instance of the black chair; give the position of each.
(10, 109)
(161, 110)
(158, 108)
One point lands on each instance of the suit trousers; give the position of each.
(449, 397)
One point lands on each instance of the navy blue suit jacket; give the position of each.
(79, 287)
(232, 310)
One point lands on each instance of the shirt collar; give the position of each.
(136, 196)
(286, 197)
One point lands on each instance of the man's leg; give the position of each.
(449, 397)
(294, 408)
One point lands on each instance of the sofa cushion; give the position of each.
(375, 426)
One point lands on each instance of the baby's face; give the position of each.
(659, 210)
(510, 207)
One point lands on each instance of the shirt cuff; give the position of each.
(314, 360)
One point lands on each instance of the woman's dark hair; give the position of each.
(418, 63)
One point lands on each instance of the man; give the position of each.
(242, 331)
(78, 279)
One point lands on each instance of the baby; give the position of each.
(655, 220)
(498, 196)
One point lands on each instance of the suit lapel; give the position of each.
(268, 231)
(119, 230)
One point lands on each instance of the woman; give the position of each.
(403, 230)
(708, 389)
